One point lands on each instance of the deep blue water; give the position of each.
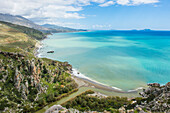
(123, 59)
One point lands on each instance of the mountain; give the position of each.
(47, 28)
(16, 19)
(57, 28)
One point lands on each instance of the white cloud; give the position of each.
(107, 4)
(123, 2)
(99, 1)
(44, 10)
(136, 2)
(102, 26)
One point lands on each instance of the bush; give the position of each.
(83, 102)
(50, 97)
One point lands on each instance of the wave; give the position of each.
(135, 89)
(76, 73)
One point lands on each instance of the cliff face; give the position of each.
(26, 81)
(157, 98)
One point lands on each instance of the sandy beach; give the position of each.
(83, 82)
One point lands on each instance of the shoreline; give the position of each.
(85, 81)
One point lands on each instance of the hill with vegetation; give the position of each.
(28, 83)
(29, 31)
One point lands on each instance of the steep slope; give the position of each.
(29, 31)
(10, 37)
(28, 83)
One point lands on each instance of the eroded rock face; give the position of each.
(18, 78)
(26, 73)
(28, 77)
(12, 55)
(157, 98)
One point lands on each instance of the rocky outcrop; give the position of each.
(12, 54)
(50, 52)
(27, 72)
(25, 81)
(55, 108)
(157, 98)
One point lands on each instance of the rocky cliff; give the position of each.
(26, 81)
(155, 98)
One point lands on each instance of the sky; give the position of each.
(94, 14)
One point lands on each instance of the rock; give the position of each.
(142, 111)
(122, 110)
(50, 52)
(130, 111)
(154, 84)
(157, 98)
(139, 109)
(54, 108)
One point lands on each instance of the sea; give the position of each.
(126, 60)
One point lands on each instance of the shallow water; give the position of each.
(122, 59)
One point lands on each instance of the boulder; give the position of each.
(154, 84)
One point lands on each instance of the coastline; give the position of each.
(38, 46)
(84, 81)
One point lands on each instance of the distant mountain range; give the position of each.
(60, 28)
(19, 20)
(47, 28)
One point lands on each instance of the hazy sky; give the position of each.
(93, 14)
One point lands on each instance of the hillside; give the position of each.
(29, 31)
(28, 83)
(12, 35)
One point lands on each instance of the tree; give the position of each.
(84, 104)
(56, 94)
(41, 102)
(50, 97)
(55, 79)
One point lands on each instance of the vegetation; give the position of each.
(11, 39)
(29, 31)
(28, 83)
(86, 102)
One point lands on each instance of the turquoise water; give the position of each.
(122, 59)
